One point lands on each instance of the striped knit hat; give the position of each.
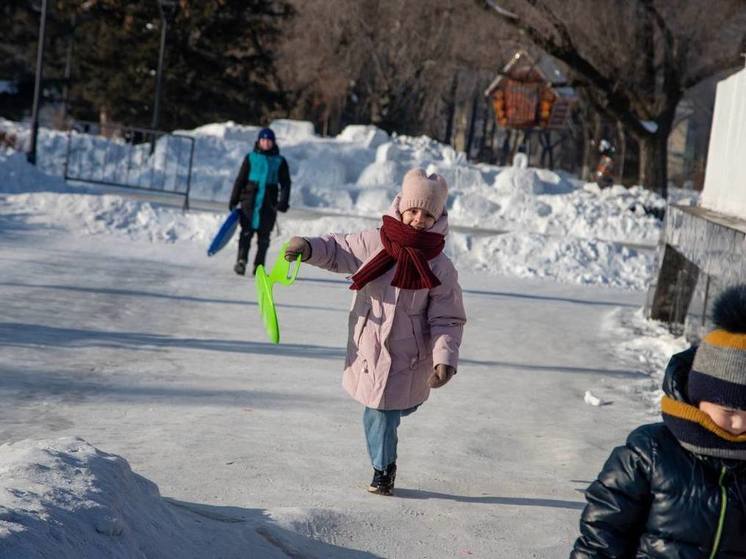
(718, 373)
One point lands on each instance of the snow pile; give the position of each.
(564, 259)
(541, 201)
(368, 135)
(292, 130)
(359, 171)
(66, 499)
(108, 214)
(519, 254)
(648, 345)
(16, 175)
(51, 145)
(556, 227)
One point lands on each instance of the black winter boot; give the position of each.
(240, 267)
(383, 481)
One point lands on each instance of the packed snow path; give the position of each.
(156, 353)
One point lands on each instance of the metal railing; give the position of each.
(130, 157)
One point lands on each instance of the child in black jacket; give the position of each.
(677, 488)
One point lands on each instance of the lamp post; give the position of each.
(168, 10)
(31, 155)
(68, 67)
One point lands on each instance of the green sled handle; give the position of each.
(283, 272)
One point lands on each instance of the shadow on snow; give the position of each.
(152, 294)
(488, 500)
(14, 334)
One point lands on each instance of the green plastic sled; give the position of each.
(281, 273)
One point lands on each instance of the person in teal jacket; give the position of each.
(261, 189)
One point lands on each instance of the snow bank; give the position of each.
(557, 226)
(370, 136)
(108, 214)
(16, 175)
(292, 130)
(335, 174)
(581, 261)
(569, 260)
(647, 345)
(66, 499)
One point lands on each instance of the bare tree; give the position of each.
(635, 58)
(395, 63)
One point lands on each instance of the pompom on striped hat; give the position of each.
(718, 373)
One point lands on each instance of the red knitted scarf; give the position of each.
(410, 250)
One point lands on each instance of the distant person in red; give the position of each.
(261, 189)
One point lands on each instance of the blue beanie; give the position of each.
(266, 133)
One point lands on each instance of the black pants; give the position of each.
(244, 241)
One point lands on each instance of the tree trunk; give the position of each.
(450, 111)
(654, 151)
(621, 152)
(505, 148)
(482, 148)
(654, 162)
(472, 123)
(592, 134)
(325, 122)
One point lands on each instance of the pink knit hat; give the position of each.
(420, 190)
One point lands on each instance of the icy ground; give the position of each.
(153, 352)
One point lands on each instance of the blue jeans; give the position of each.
(380, 434)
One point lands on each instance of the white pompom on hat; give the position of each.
(420, 190)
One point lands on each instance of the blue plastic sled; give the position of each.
(225, 233)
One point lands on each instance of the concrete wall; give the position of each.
(725, 176)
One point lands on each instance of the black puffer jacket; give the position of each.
(654, 498)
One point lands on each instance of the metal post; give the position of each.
(189, 176)
(31, 156)
(67, 152)
(168, 10)
(130, 149)
(159, 78)
(68, 68)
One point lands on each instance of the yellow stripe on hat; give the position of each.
(725, 339)
(690, 413)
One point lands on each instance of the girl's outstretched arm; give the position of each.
(337, 252)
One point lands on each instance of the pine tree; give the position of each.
(219, 61)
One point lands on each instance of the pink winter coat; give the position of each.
(395, 336)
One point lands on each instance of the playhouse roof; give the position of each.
(545, 66)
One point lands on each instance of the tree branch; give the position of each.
(557, 23)
(671, 73)
(617, 104)
(726, 63)
(660, 21)
(501, 11)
